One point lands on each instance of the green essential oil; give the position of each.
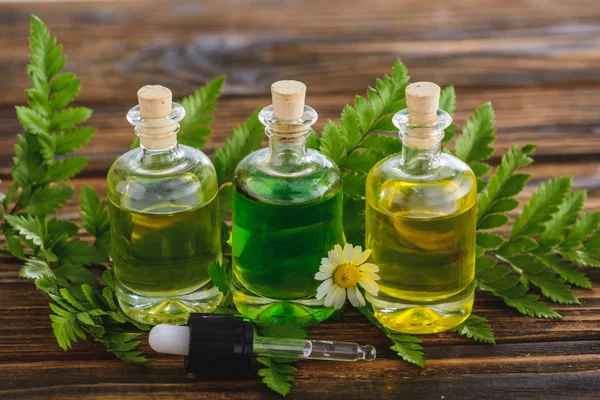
(161, 256)
(277, 251)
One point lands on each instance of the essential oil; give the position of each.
(420, 227)
(164, 213)
(283, 248)
(287, 214)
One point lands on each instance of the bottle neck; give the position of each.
(421, 149)
(160, 157)
(286, 151)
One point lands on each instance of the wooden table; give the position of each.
(537, 61)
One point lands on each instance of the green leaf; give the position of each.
(350, 127)
(79, 252)
(504, 205)
(551, 285)
(65, 89)
(480, 169)
(408, 348)
(567, 271)
(361, 161)
(35, 268)
(219, 274)
(276, 376)
(93, 214)
(244, 140)
(65, 169)
(382, 145)
(363, 112)
(76, 274)
(332, 143)
(199, 107)
(581, 257)
(583, 228)
(313, 141)
(49, 199)
(493, 221)
(68, 118)
(27, 226)
(529, 305)
(489, 241)
(518, 245)
(448, 104)
(502, 183)
(478, 134)
(73, 139)
(494, 278)
(66, 330)
(448, 100)
(58, 230)
(28, 161)
(476, 328)
(556, 228)
(544, 202)
(31, 120)
(14, 246)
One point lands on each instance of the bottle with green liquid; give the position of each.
(420, 224)
(164, 214)
(287, 214)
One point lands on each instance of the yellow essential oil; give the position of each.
(420, 227)
(164, 214)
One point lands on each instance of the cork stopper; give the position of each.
(422, 100)
(288, 100)
(155, 130)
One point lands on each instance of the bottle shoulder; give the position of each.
(187, 180)
(449, 188)
(312, 179)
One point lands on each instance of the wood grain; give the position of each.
(538, 62)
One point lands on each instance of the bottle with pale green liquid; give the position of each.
(164, 213)
(287, 214)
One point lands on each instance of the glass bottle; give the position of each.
(420, 224)
(164, 214)
(287, 214)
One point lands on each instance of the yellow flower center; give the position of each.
(346, 275)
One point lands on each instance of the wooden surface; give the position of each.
(537, 61)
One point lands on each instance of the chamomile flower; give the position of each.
(342, 270)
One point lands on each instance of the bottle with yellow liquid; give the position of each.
(164, 214)
(420, 224)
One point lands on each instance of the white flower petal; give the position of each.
(326, 265)
(368, 267)
(352, 296)
(356, 252)
(348, 253)
(369, 285)
(321, 276)
(340, 298)
(324, 288)
(359, 296)
(335, 257)
(330, 298)
(340, 252)
(369, 275)
(362, 257)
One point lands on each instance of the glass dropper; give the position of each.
(219, 337)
